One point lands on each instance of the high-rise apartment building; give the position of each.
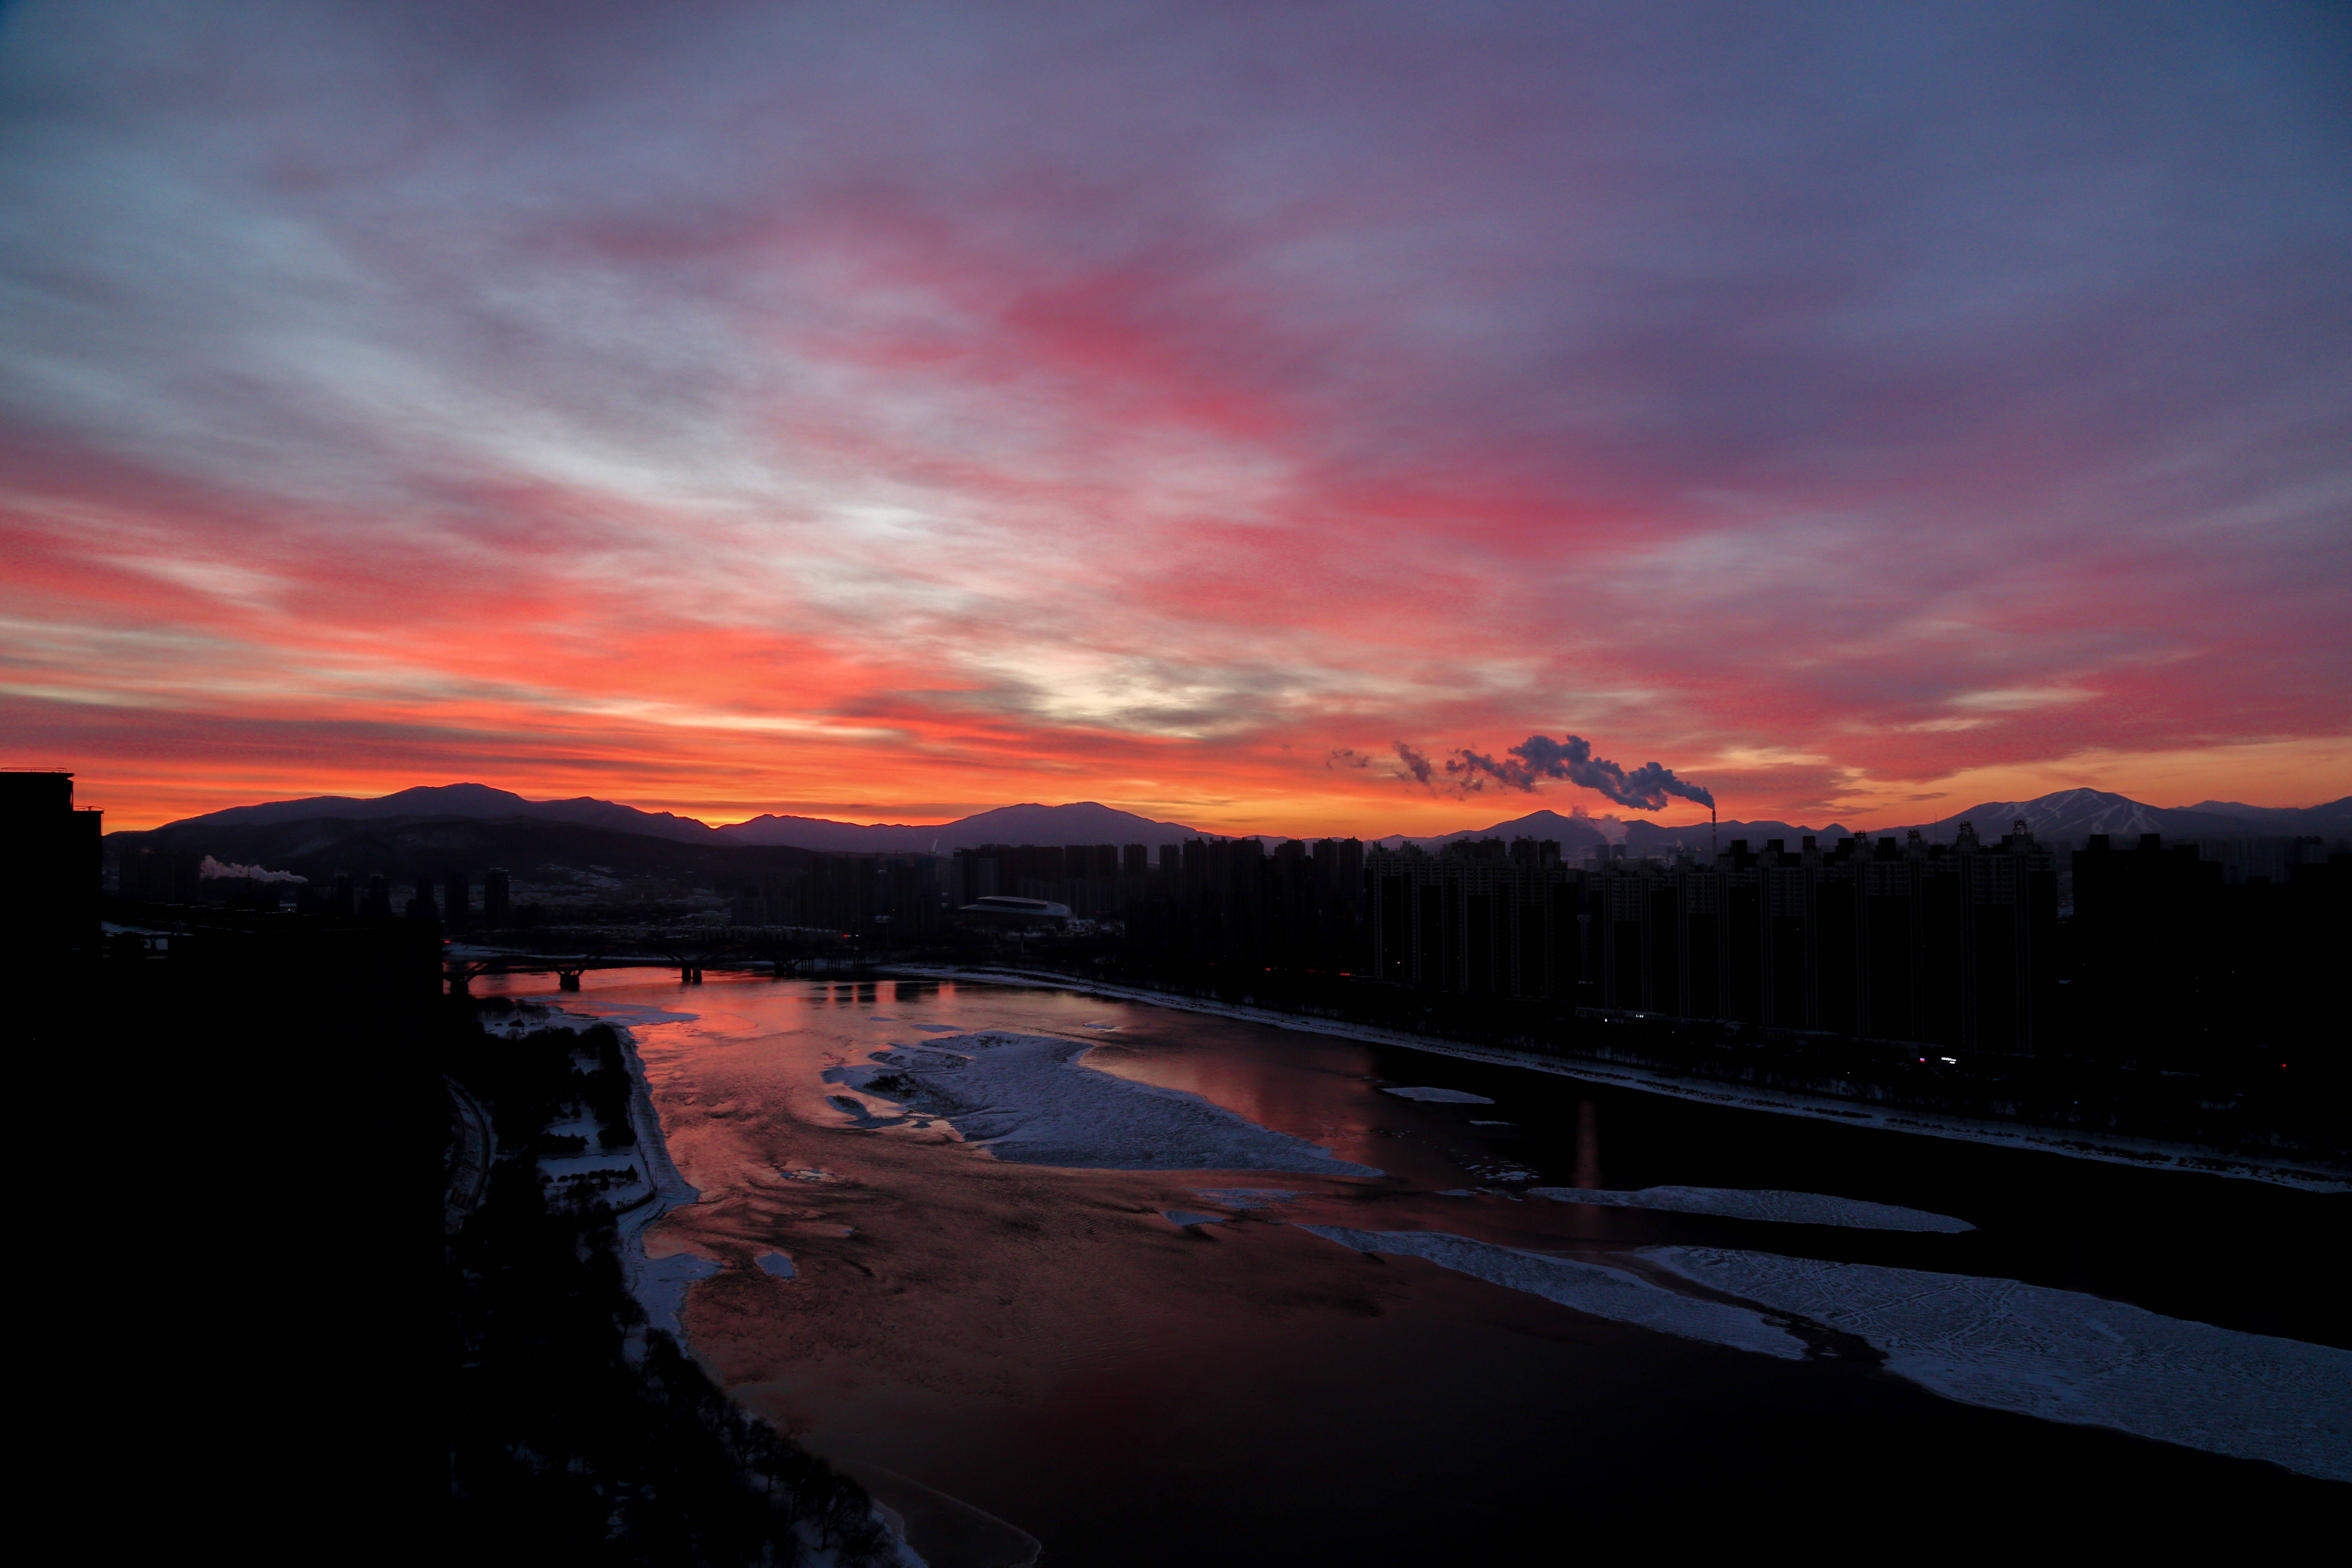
(1952, 945)
(58, 859)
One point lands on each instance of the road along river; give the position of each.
(1369, 1305)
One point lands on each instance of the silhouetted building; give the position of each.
(1950, 945)
(2180, 966)
(158, 875)
(60, 866)
(1473, 921)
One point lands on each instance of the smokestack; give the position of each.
(1710, 827)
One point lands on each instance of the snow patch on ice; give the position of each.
(1027, 1099)
(1186, 1216)
(1586, 1287)
(940, 1028)
(624, 1012)
(777, 1264)
(1248, 1197)
(1442, 1096)
(1788, 1209)
(861, 1114)
(1476, 1123)
(2065, 1356)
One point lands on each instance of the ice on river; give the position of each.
(1027, 1099)
(1187, 1216)
(1734, 1203)
(2065, 1356)
(2059, 1355)
(1586, 1287)
(1443, 1096)
(778, 1264)
(1248, 1197)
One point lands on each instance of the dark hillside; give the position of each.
(403, 848)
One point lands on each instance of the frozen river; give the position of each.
(1361, 1340)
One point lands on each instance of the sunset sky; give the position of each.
(887, 411)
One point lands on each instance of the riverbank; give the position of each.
(659, 1285)
(2143, 1154)
(579, 1422)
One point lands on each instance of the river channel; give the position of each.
(1225, 1386)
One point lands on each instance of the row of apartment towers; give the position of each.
(1889, 938)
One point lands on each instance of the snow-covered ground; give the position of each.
(1442, 1096)
(1790, 1208)
(659, 1284)
(1587, 1287)
(1027, 1099)
(2059, 1355)
(2065, 1356)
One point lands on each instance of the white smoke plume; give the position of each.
(213, 868)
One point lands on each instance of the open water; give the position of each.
(1046, 1345)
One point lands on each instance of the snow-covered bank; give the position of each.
(1026, 1098)
(1788, 1208)
(2059, 1355)
(2065, 1356)
(2110, 1148)
(1587, 1287)
(659, 1284)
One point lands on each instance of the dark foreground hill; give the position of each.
(318, 848)
(461, 800)
(1080, 822)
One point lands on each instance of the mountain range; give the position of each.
(469, 800)
(2065, 816)
(1575, 835)
(1081, 822)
